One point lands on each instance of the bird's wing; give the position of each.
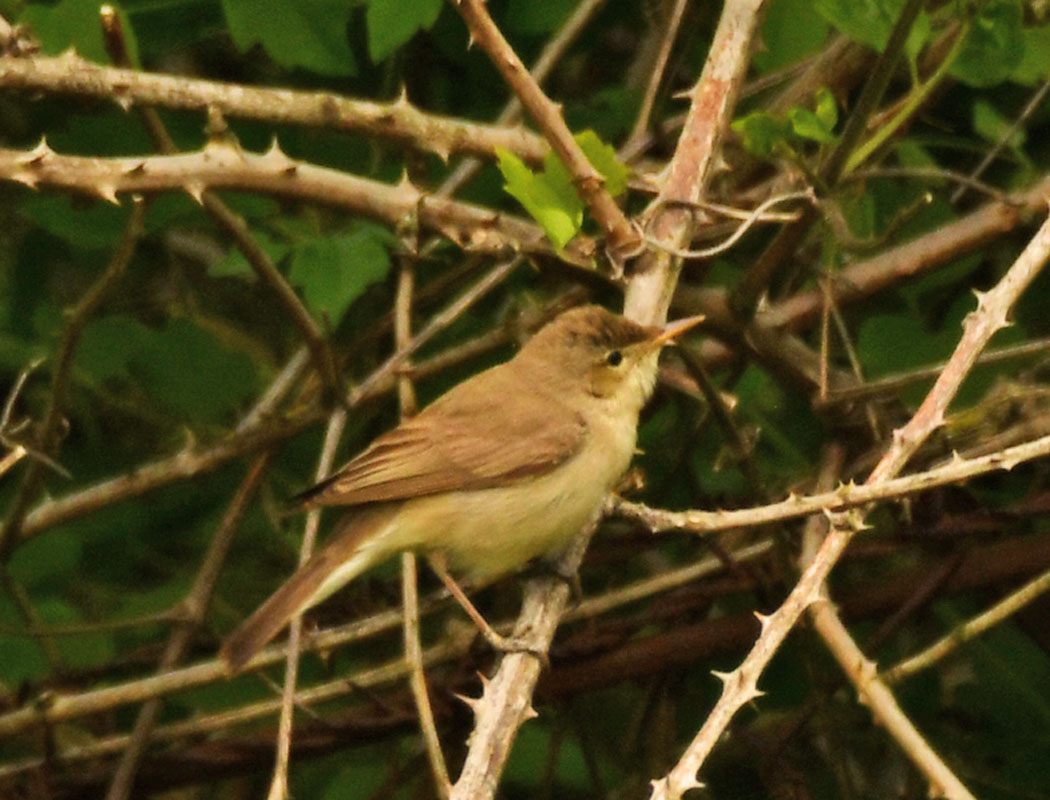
(466, 440)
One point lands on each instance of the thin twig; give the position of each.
(1029, 108)
(541, 70)
(969, 630)
(901, 380)
(77, 317)
(741, 685)
(192, 612)
(409, 581)
(396, 121)
(861, 672)
(755, 216)
(670, 33)
(845, 497)
(279, 782)
(226, 218)
(928, 173)
(265, 430)
(223, 165)
(622, 238)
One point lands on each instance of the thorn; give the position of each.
(135, 171)
(529, 713)
(402, 97)
(196, 191)
(471, 702)
(763, 619)
(725, 677)
(108, 192)
(277, 158)
(38, 154)
(190, 442)
(484, 681)
(405, 183)
(27, 179)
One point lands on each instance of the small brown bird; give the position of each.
(505, 467)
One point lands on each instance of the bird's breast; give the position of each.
(490, 532)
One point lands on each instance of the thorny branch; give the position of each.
(741, 685)
(671, 224)
(506, 702)
(222, 164)
(398, 121)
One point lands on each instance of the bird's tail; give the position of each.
(355, 546)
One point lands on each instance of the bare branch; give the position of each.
(845, 497)
(862, 673)
(741, 685)
(398, 121)
(221, 165)
(193, 609)
(279, 782)
(589, 183)
(969, 630)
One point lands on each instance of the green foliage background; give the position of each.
(189, 340)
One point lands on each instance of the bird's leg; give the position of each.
(497, 641)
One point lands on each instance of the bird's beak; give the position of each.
(672, 330)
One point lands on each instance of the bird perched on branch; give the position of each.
(506, 467)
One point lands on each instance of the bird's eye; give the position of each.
(614, 359)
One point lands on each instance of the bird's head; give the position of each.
(606, 354)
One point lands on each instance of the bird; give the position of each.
(504, 468)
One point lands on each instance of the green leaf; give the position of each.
(93, 226)
(827, 109)
(544, 196)
(550, 196)
(785, 40)
(603, 157)
(890, 343)
(391, 23)
(333, 271)
(993, 126)
(761, 132)
(537, 19)
(866, 21)
(307, 34)
(235, 265)
(809, 126)
(916, 41)
(1034, 65)
(75, 23)
(83, 650)
(108, 345)
(994, 46)
(910, 153)
(189, 371)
